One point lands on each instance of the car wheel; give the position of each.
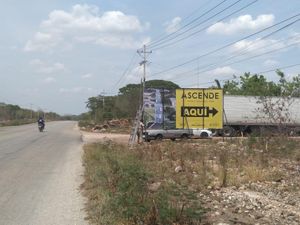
(204, 135)
(159, 137)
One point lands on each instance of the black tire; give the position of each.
(204, 135)
(184, 136)
(173, 139)
(215, 132)
(228, 131)
(159, 137)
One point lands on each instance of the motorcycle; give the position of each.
(41, 126)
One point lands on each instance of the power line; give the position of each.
(204, 28)
(281, 68)
(224, 60)
(160, 45)
(181, 28)
(224, 46)
(265, 53)
(244, 51)
(131, 62)
(262, 72)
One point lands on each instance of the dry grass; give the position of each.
(205, 164)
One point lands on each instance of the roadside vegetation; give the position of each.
(234, 181)
(13, 115)
(166, 183)
(124, 105)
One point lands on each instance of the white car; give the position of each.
(202, 133)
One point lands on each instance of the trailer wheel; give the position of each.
(184, 136)
(159, 137)
(228, 131)
(215, 132)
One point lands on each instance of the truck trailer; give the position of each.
(252, 114)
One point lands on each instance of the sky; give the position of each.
(56, 54)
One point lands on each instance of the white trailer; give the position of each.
(248, 114)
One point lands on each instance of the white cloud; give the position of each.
(258, 45)
(47, 68)
(242, 23)
(50, 80)
(172, 26)
(270, 62)
(226, 70)
(136, 74)
(87, 76)
(85, 24)
(78, 90)
(42, 42)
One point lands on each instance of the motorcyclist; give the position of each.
(41, 121)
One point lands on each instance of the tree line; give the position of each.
(258, 85)
(13, 115)
(127, 101)
(123, 105)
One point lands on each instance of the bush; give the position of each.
(117, 187)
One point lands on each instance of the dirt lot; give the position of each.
(259, 200)
(90, 137)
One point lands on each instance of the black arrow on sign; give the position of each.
(213, 111)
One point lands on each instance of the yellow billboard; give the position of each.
(199, 108)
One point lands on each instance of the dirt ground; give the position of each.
(90, 137)
(276, 202)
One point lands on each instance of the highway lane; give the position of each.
(40, 175)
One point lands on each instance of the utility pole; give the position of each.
(103, 98)
(31, 112)
(143, 53)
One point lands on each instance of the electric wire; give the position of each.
(242, 60)
(261, 72)
(155, 42)
(202, 29)
(162, 44)
(245, 52)
(224, 46)
(127, 69)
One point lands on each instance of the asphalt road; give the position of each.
(40, 175)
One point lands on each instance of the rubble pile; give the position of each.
(257, 202)
(110, 124)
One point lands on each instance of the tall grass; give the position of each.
(118, 179)
(117, 186)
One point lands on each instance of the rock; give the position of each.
(292, 202)
(252, 216)
(258, 215)
(249, 207)
(221, 143)
(178, 169)
(217, 213)
(291, 214)
(154, 186)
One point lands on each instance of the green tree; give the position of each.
(255, 85)
(123, 105)
(289, 87)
